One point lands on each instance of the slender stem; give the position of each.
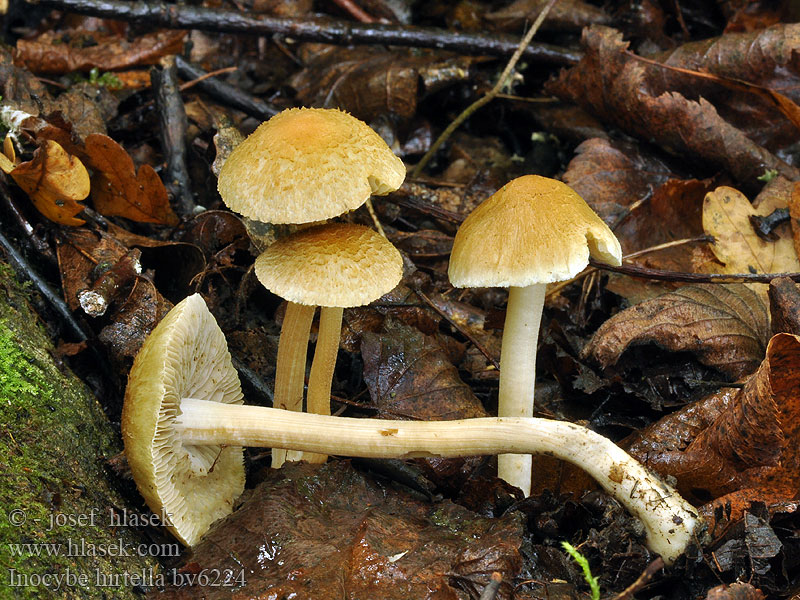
(518, 372)
(290, 369)
(321, 376)
(670, 521)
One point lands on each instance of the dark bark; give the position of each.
(312, 30)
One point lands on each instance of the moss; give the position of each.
(55, 498)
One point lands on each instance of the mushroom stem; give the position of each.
(518, 373)
(290, 369)
(670, 522)
(318, 400)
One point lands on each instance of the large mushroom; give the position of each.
(172, 410)
(333, 266)
(531, 232)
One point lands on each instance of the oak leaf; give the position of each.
(726, 326)
(53, 179)
(118, 190)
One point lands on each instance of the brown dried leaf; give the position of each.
(794, 213)
(118, 190)
(726, 326)
(568, 15)
(325, 532)
(77, 50)
(55, 180)
(408, 375)
(735, 591)
(745, 445)
(369, 82)
(614, 84)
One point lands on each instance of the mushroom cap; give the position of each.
(533, 230)
(185, 356)
(337, 264)
(308, 164)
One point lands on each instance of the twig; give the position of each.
(661, 275)
(355, 11)
(330, 31)
(96, 300)
(172, 121)
(641, 581)
(224, 93)
(463, 331)
(421, 198)
(40, 245)
(489, 96)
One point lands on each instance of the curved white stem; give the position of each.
(669, 520)
(518, 373)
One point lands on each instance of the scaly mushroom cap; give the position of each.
(308, 164)
(338, 264)
(185, 356)
(533, 230)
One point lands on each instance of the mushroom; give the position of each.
(333, 266)
(176, 426)
(532, 232)
(308, 164)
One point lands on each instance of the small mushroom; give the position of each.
(531, 232)
(172, 410)
(308, 164)
(334, 266)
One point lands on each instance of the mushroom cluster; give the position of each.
(306, 165)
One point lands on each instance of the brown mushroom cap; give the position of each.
(533, 230)
(185, 356)
(308, 164)
(338, 264)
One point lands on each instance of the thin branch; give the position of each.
(489, 96)
(329, 31)
(224, 93)
(661, 275)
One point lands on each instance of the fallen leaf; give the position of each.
(735, 591)
(77, 50)
(571, 15)
(54, 180)
(118, 190)
(794, 213)
(725, 326)
(742, 447)
(329, 532)
(784, 306)
(726, 216)
(615, 85)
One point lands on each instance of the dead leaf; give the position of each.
(743, 446)
(118, 190)
(735, 591)
(569, 15)
(54, 180)
(794, 213)
(613, 84)
(726, 326)
(320, 532)
(726, 216)
(77, 50)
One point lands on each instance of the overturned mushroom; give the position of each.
(171, 411)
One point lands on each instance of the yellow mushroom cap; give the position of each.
(338, 264)
(308, 164)
(185, 356)
(533, 230)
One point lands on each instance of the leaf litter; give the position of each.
(707, 119)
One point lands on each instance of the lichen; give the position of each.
(55, 498)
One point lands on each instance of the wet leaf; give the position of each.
(118, 190)
(54, 180)
(310, 532)
(78, 50)
(615, 85)
(735, 448)
(794, 213)
(784, 306)
(725, 326)
(735, 591)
